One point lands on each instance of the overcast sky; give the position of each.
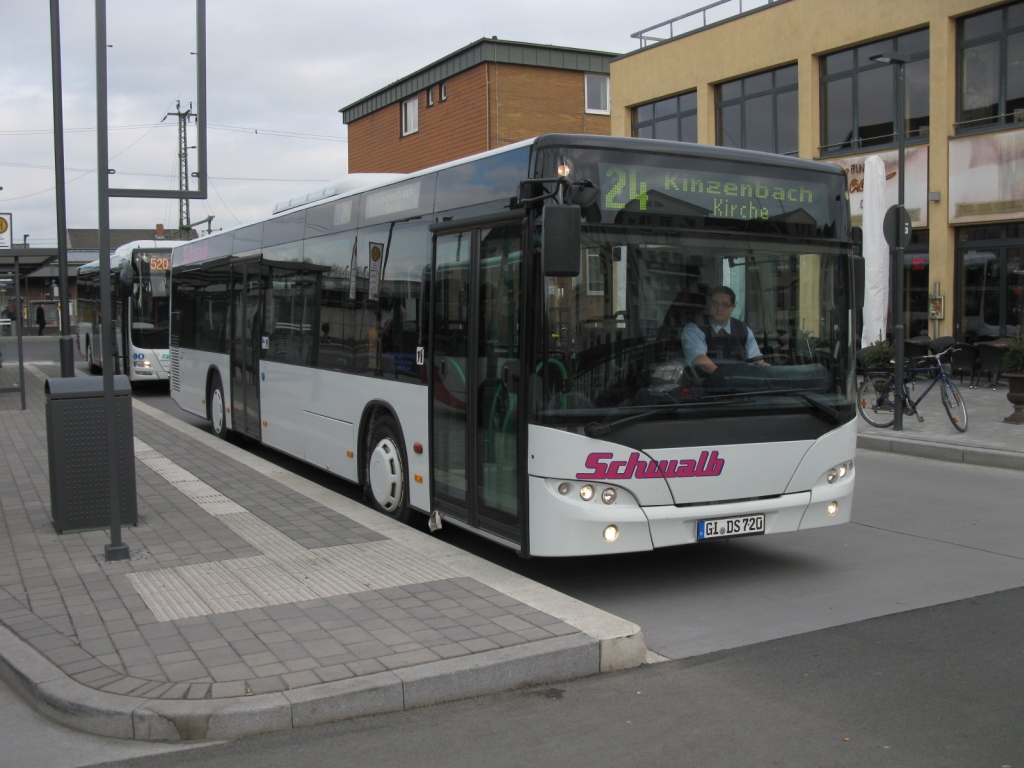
(282, 66)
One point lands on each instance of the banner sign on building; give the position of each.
(986, 177)
(915, 187)
(5, 230)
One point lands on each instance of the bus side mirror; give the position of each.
(561, 241)
(857, 241)
(858, 282)
(857, 254)
(126, 274)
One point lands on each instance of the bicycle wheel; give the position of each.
(954, 402)
(876, 399)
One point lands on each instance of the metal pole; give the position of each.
(201, 95)
(899, 330)
(116, 549)
(21, 346)
(67, 351)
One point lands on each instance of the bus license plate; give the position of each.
(747, 525)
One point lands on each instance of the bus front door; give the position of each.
(246, 343)
(475, 379)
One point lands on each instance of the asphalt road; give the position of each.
(891, 640)
(937, 687)
(924, 533)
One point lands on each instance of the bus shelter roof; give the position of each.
(29, 259)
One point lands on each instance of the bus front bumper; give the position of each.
(564, 525)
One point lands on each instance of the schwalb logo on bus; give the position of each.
(604, 468)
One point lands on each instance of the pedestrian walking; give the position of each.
(40, 318)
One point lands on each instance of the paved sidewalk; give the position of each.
(255, 600)
(988, 441)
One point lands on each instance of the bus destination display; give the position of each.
(711, 194)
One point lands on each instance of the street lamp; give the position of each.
(899, 330)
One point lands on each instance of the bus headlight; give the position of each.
(611, 533)
(833, 507)
(141, 364)
(838, 472)
(608, 495)
(564, 488)
(587, 492)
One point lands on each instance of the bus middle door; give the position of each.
(246, 345)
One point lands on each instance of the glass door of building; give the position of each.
(990, 266)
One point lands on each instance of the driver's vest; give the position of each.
(726, 345)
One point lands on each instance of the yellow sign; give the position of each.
(3, 226)
(5, 230)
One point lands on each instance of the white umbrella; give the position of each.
(876, 253)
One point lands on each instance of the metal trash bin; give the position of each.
(76, 441)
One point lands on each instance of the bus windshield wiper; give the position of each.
(824, 410)
(735, 395)
(596, 429)
(811, 398)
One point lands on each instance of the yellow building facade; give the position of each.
(965, 140)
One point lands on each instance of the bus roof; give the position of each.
(583, 141)
(684, 149)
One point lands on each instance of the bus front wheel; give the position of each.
(93, 368)
(385, 477)
(215, 408)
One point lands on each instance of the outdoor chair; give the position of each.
(964, 360)
(990, 358)
(940, 344)
(913, 352)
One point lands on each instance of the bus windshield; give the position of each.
(692, 325)
(150, 319)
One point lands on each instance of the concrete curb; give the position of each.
(984, 457)
(53, 694)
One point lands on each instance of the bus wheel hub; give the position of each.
(386, 474)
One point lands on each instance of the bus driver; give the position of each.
(719, 339)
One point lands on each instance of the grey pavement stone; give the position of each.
(96, 639)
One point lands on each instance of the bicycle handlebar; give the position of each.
(936, 355)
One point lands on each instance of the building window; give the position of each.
(759, 112)
(673, 119)
(597, 94)
(991, 68)
(859, 96)
(430, 96)
(444, 91)
(410, 116)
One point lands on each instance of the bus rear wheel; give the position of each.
(215, 408)
(386, 480)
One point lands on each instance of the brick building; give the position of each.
(484, 96)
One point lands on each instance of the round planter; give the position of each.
(1016, 397)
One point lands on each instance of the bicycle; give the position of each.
(876, 396)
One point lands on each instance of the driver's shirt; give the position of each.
(695, 344)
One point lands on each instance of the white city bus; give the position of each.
(498, 342)
(139, 273)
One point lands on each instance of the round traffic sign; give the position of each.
(896, 227)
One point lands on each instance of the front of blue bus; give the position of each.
(695, 378)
